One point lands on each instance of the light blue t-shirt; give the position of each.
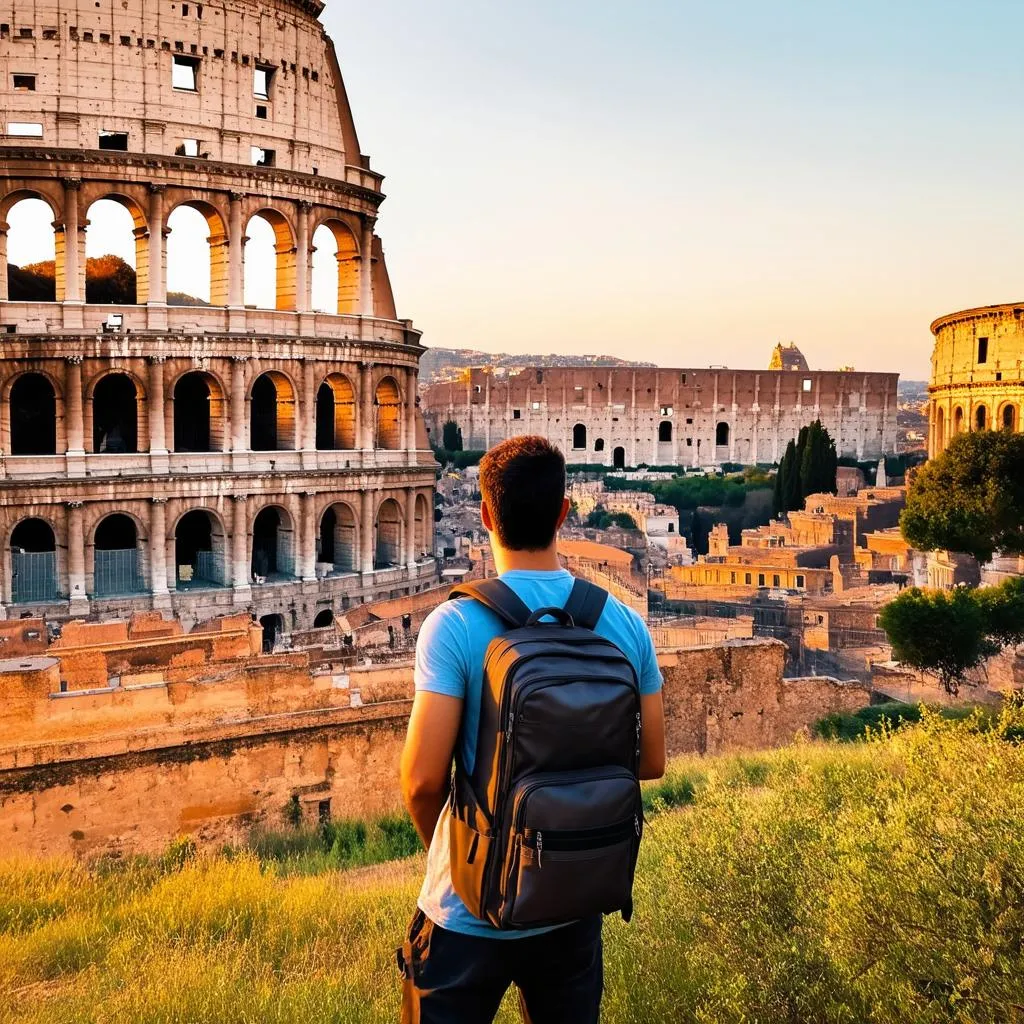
(449, 660)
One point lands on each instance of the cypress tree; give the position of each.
(792, 498)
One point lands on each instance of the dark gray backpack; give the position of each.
(546, 824)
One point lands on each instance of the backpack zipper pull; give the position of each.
(508, 728)
(540, 849)
(636, 825)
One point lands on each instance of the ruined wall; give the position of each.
(668, 417)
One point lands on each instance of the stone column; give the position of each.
(238, 416)
(158, 548)
(410, 412)
(410, 527)
(236, 251)
(240, 569)
(157, 403)
(73, 406)
(76, 559)
(366, 417)
(366, 269)
(73, 271)
(157, 275)
(303, 283)
(307, 425)
(307, 527)
(3, 260)
(366, 532)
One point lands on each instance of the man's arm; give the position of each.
(427, 758)
(652, 736)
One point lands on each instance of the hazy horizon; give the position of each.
(688, 184)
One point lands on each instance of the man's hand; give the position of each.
(427, 758)
(652, 736)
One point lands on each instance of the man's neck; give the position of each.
(526, 561)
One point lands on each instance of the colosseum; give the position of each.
(199, 454)
(977, 380)
(700, 418)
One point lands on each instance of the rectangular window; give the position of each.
(799, 582)
(689, 442)
(261, 77)
(666, 410)
(24, 83)
(776, 582)
(732, 577)
(25, 129)
(189, 147)
(517, 414)
(682, 378)
(184, 10)
(185, 73)
(982, 350)
(760, 579)
(689, 421)
(25, 33)
(262, 157)
(747, 578)
(535, 406)
(114, 140)
(807, 384)
(577, 394)
(261, 111)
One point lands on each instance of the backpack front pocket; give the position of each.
(573, 847)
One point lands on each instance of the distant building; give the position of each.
(788, 357)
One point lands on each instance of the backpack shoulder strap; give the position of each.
(498, 596)
(586, 603)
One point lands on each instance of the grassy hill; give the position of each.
(878, 881)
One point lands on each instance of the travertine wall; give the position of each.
(668, 417)
(216, 758)
(977, 378)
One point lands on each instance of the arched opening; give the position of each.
(388, 406)
(940, 428)
(33, 562)
(337, 546)
(198, 413)
(116, 557)
(272, 545)
(958, 420)
(1009, 417)
(272, 413)
(579, 436)
(323, 619)
(33, 409)
(31, 252)
(115, 414)
(116, 253)
(665, 431)
(722, 435)
(273, 627)
(197, 256)
(388, 548)
(980, 418)
(619, 458)
(424, 528)
(199, 551)
(335, 274)
(335, 414)
(599, 445)
(269, 278)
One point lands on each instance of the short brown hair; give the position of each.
(523, 482)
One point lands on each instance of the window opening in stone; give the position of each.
(115, 415)
(271, 545)
(33, 412)
(117, 253)
(958, 420)
(336, 268)
(335, 414)
(269, 270)
(116, 567)
(981, 417)
(188, 147)
(261, 79)
(388, 546)
(31, 253)
(184, 10)
(664, 431)
(262, 157)
(198, 414)
(24, 83)
(323, 620)
(273, 627)
(197, 257)
(619, 458)
(261, 111)
(423, 539)
(807, 384)
(25, 129)
(1009, 417)
(272, 414)
(337, 547)
(199, 551)
(982, 350)
(599, 445)
(33, 562)
(388, 406)
(722, 434)
(666, 410)
(113, 140)
(579, 436)
(185, 73)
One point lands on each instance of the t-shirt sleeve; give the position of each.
(649, 673)
(442, 662)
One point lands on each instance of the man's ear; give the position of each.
(566, 505)
(485, 517)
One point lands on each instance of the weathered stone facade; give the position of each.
(977, 378)
(201, 458)
(620, 416)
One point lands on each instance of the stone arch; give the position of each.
(1008, 416)
(665, 431)
(338, 540)
(722, 435)
(39, 275)
(424, 528)
(272, 413)
(940, 428)
(323, 619)
(958, 420)
(32, 414)
(981, 417)
(599, 445)
(579, 436)
(335, 413)
(273, 627)
(200, 412)
(200, 550)
(115, 412)
(258, 265)
(106, 280)
(335, 268)
(33, 565)
(619, 457)
(387, 529)
(273, 547)
(387, 401)
(186, 246)
(118, 564)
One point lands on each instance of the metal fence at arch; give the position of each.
(33, 576)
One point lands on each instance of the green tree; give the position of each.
(451, 437)
(818, 461)
(970, 498)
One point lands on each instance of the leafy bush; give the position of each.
(892, 715)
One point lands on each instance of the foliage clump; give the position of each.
(808, 467)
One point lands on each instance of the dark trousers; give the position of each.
(450, 978)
